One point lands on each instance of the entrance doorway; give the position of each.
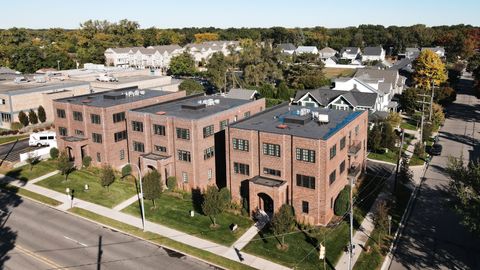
(265, 203)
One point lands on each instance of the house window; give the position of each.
(77, 116)
(333, 151)
(239, 144)
(246, 114)
(209, 174)
(61, 113)
(185, 177)
(332, 177)
(120, 136)
(118, 117)
(342, 143)
(305, 181)
(208, 131)
(184, 155)
(342, 167)
(79, 132)
(305, 155)
(99, 158)
(272, 172)
(183, 133)
(138, 147)
(97, 138)
(271, 149)
(357, 128)
(304, 207)
(159, 130)
(62, 131)
(137, 126)
(122, 154)
(241, 168)
(223, 124)
(209, 152)
(95, 118)
(160, 148)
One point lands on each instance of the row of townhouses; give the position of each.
(293, 154)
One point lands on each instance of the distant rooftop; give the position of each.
(11, 87)
(114, 97)
(194, 107)
(298, 121)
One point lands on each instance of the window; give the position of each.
(304, 207)
(3, 101)
(305, 181)
(99, 158)
(184, 155)
(332, 177)
(77, 116)
(62, 131)
(183, 133)
(185, 177)
(342, 167)
(95, 118)
(246, 114)
(160, 148)
(356, 130)
(331, 203)
(159, 130)
(208, 131)
(235, 118)
(97, 138)
(79, 132)
(137, 126)
(118, 117)
(122, 154)
(138, 147)
(239, 144)
(271, 149)
(333, 151)
(342, 143)
(223, 124)
(6, 117)
(61, 113)
(271, 172)
(120, 136)
(209, 152)
(305, 155)
(209, 174)
(241, 168)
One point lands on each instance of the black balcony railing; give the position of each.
(354, 148)
(354, 170)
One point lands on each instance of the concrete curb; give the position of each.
(381, 161)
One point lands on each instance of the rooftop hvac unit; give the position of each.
(304, 111)
(136, 92)
(142, 92)
(217, 101)
(323, 118)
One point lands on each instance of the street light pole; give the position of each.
(398, 161)
(350, 255)
(431, 101)
(141, 194)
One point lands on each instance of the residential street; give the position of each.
(38, 237)
(433, 237)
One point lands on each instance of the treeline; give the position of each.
(27, 50)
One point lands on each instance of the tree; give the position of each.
(32, 159)
(283, 92)
(283, 222)
(217, 70)
(23, 118)
(374, 138)
(225, 197)
(381, 218)
(405, 174)
(438, 117)
(64, 165)
(152, 186)
(427, 131)
(465, 187)
(419, 150)
(342, 202)
(191, 87)
(388, 136)
(212, 204)
(126, 170)
(41, 114)
(182, 65)
(202, 37)
(394, 119)
(107, 176)
(32, 117)
(473, 62)
(429, 68)
(86, 161)
(53, 152)
(444, 95)
(408, 100)
(172, 183)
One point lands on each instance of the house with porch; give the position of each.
(156, 57)
(335, 99)
(306, 49)
(294, 155)
(287, 48)
(373, 54)
(350, 53)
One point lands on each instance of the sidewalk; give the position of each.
(227, 252)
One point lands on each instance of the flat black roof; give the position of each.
(291, 120)
(194, 107)
(114, 97)
(265, 181)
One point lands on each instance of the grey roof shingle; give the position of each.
(372, 51)
(325, 96)
(287, 46)
(241, 93)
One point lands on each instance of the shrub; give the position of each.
(32, 117)
(172, 183)
(23, 118)
(16, 126)
(342, 201)
(54, 152)
(41, 114)
(86, 161)
(419, 150)
(126, 170)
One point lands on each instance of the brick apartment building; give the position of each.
(298, 156)
(186, 138)
(95, 124)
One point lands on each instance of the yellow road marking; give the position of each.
(38, 257)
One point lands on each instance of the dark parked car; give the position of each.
(436, 149)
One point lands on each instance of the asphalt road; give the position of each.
(34, 236)
(433, 237)
(11, 151)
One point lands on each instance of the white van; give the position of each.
(43, 138)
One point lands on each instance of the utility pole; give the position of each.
(431, 101)
(398, 161)
(350, 248)
(423, 116)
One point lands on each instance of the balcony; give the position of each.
(354, 148)
(354, 170)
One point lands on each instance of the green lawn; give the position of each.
(24, 173)
(174, 212)
(163, 241)
(391, 156)
(118, 192)
(415, 161)
(338, 72)
(7, 139)
(31, 195)
(410, 124)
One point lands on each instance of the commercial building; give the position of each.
(95, 124)
(295, 155)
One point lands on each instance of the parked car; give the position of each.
(44, 138)
(436, 149)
